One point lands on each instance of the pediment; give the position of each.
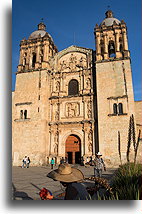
(73, 59)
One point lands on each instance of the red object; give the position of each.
(45, 194)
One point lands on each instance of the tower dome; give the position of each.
(109, 20)
(41, 32)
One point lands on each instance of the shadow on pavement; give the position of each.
(16, 195)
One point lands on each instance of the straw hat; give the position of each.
(65, 173)
(99, 154)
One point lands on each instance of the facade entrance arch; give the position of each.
(73, 149)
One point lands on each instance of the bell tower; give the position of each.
(115, 100)
(111, 38)
(36, 51)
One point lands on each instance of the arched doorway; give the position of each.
(73, 149)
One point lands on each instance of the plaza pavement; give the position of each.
(27, 182)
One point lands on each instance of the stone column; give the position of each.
(105, 47)
(46, 51)
(21, 56)
(83, 143)
(117, 41)
(30, 60)
(125, 42)
(98, 48)
(38, 52)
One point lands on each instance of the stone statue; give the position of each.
(88, 83)
(56, 149)
(90, 136)
(57, 86)
(90, 147)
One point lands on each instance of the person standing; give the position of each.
(99, 165)
(62, 160)
(28, 162)
(52, 163)
(24, 162)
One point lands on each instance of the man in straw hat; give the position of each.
(70, 178)
(99, 165)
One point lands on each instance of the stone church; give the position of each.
(75, 102)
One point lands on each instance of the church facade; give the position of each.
(75, 102)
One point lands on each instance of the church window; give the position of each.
(34, 60)
(73, 87)
(21, 114)
(120, 108)
(111, 49)
(25, 114)
(114, 108)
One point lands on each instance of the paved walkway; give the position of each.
(26, 183)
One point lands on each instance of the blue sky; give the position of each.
(73, 22)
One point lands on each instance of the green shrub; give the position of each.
(127, 182)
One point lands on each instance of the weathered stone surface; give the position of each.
(46, 110)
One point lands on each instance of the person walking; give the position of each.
(52, 163)
(99, 165)
(28, 162)
(24, 162)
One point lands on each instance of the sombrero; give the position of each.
(99, 154)
(66, 173)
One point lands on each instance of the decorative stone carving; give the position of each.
(89, 109)
(90, 146)
(90, 140)
(72, 62)
(83, 62)
(56, 139)
(56, 148)
(63, 65)
(72, 109)
(57, 86)
(88, 83)
(57, 112)
(90, 135)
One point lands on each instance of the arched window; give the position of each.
(21, 114)
(120, 108)
(34, 60)
(25, 114)
(114, 108)
(73, 88)
(111, 49)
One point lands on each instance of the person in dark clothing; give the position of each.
(62, 160)
(28, 162)
(70, 178)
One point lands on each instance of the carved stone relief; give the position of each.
(90, 140)
(72, 109)
(57, 112)
(89, 109)
(88, 83)
(57, 87)
(74, 63)
(56, 139)
(90, 146)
